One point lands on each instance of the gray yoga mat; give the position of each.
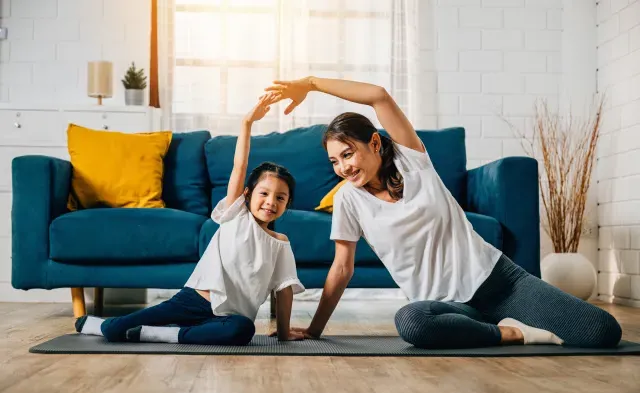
(326, 346)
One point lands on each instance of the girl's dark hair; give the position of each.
(277, 170)
(349, 127)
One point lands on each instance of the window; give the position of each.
(227, 51)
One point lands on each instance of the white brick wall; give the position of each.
(491, 59)
(618, 169)
(494, 58)
(49, 43)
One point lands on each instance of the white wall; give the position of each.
(619, 150)
(481, 59)
(50, 42)
(490, 58)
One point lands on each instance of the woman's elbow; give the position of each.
(381, 95)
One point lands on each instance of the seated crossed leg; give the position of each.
(511, 307)
(186, 318)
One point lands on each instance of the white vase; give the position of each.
(570, 272)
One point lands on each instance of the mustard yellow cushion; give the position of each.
(116, 169)
(326, 204)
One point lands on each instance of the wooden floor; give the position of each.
(25, 325)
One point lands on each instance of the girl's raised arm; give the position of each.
(241, 158)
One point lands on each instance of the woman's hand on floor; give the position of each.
(292, 336)
(303, 331)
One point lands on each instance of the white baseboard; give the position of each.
(10, 294)
(112, 296)
(308, 295)
(619, 300)
(162, 294)
(356, 294)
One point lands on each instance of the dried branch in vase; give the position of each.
(566, 147)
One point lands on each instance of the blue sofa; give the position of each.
(159, 248)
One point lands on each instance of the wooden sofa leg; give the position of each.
(98, 301)
(272, 303)
(77, 298)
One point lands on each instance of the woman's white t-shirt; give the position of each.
(243, 263)
(424, 239)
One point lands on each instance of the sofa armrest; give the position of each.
(40, 191)
(507, 190)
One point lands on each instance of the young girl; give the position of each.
(242, 264)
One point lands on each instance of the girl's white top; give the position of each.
(243, 263)
(424, 239)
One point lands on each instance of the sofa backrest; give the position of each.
(300, 150)
(447, 150)
(186, 183)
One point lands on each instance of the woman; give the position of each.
(463, 292)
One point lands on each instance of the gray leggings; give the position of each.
(508, 292)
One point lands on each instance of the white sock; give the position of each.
(159, 334)
(532, 335)
(92, 326)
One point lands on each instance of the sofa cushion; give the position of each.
(299, 150)
(447, 150)
(309, 233)
(206, 233)
(116, 169)
(487, 227)
(186, 183)
(125, 236)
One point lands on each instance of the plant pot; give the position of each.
(570, 272)
(134, 97)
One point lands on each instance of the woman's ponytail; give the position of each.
(389, 175)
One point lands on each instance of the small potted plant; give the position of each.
(134, 82)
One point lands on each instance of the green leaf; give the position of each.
(134, 78)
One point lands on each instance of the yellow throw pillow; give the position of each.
(116, 169)
(326, 204)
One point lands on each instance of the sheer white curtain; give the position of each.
(217, 56)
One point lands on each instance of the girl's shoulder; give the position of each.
(278, 236)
